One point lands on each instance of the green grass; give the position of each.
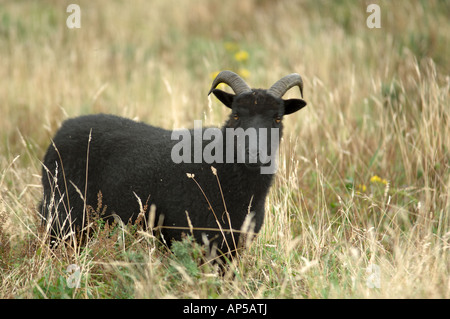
(364, 169)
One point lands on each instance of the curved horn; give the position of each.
(284, 84)
(233, 80)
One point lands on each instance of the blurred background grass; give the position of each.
(364, 169)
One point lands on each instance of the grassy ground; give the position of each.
(361, 203)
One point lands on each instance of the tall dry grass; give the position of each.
(364, 169)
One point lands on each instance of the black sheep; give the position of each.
(133, 166)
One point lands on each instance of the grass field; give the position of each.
(360, 207)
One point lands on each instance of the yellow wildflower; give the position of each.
(231, 46)
(362, 187)
(241, 56)
(375, 179)
(378, 179)
(244, 73)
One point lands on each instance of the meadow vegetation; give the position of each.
(363, 187)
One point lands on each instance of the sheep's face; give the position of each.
(256, 118)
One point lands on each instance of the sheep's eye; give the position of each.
(236, 117)
(277, 119)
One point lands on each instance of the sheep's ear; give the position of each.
(224, 97)
(293, 105)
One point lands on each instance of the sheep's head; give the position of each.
(258, 109)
